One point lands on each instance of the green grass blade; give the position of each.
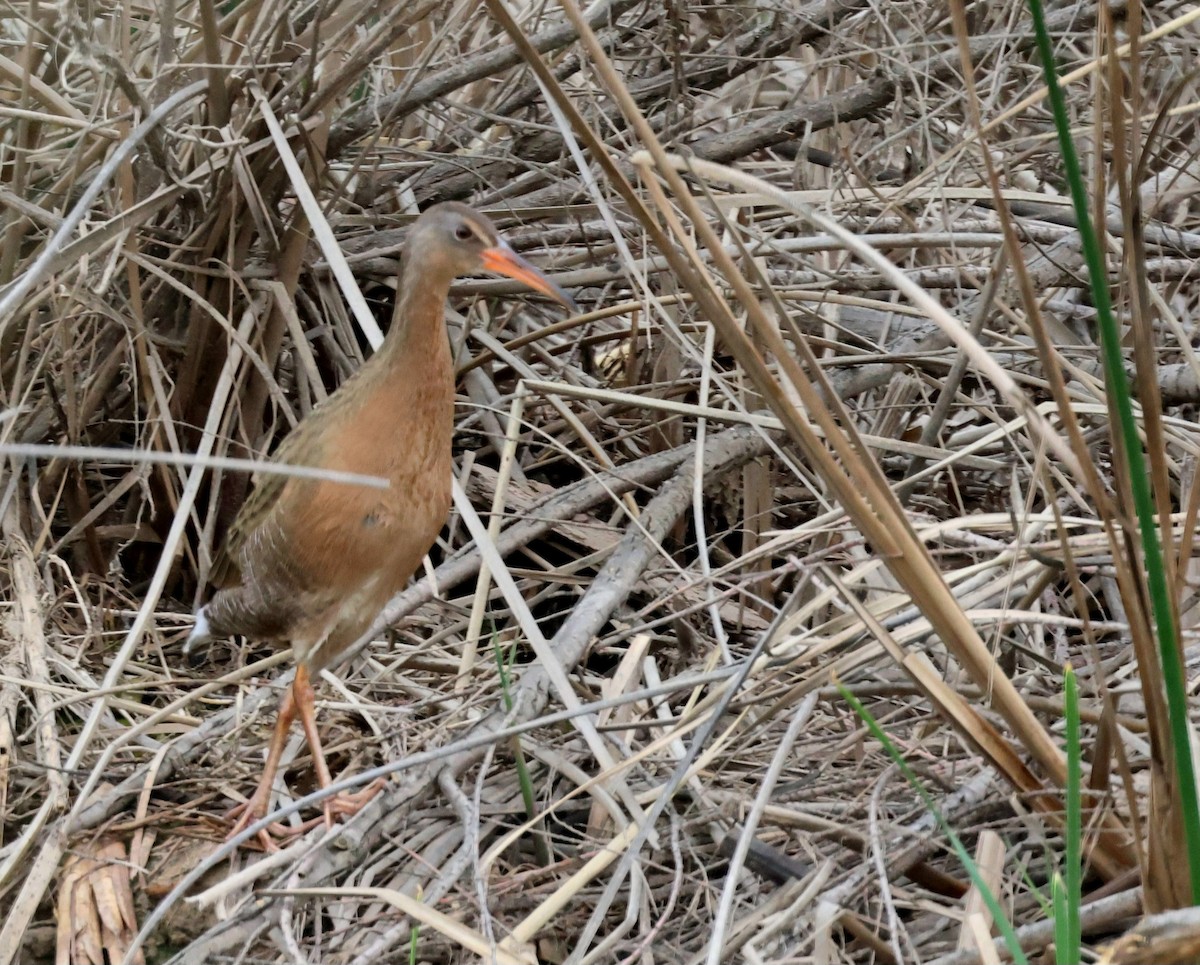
(1127, 438)
(1069, 950)
(1062, 928)
(993, 905)
(524, 779)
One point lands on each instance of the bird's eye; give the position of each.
(463, 232)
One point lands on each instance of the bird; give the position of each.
(311, 562)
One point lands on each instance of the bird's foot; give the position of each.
(348, 805)
(340, 805)
(247, 813)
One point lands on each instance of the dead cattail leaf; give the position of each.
(95, 906)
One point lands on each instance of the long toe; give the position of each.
(244, 815)
(347, 805)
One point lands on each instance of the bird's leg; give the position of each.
(257, 806)
(305, 708)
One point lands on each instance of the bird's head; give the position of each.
(466, 242)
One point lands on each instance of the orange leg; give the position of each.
(307, 711)
(346, 804)
(257, 806)
(299, 701)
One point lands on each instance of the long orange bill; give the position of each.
(504, 261)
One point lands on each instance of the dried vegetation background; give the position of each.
(692, 574)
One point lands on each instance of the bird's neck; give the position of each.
(418, 331)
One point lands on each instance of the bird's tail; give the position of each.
(201, 634)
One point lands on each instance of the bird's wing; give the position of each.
(299, 448)
(255, 510)
(227, 568)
